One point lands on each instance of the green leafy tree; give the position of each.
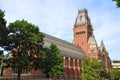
(92, 69)
(3, 30)
(3, 38)
(4, 60)
(115, 73)
(117, 3)
(1, 61)
(26, 46)
(53, 61)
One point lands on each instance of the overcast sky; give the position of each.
(57, 17)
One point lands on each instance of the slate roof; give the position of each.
(92, 40)
(102, 46)
(67, 49)
(82, 10)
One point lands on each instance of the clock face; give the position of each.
(80, 21)
(83, 18)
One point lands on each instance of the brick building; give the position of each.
(72, 55)
(84, 37)
(72, 59)
(84, 44)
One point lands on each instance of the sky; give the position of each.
(57, 17)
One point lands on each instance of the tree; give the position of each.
(117, 3)
(3, 30)
(115, 73)
(26, 46)
(3, 38)
(92, 69)
(4, 60)
(53, 61)
(1, 61)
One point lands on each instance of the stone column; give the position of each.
(78, 63)
(68, 62)
(78, 68)
(64, 61)
(81, 67)
(73, 63)
(68, 66)
(73, 67)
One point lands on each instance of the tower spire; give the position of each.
(82, 29)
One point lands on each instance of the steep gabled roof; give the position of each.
(92, 40)
(67, 49)
(93, 47)
(102, 46)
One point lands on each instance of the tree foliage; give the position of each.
(117, 3)
(4, 59)
(92, 69)
(3, 40)
(25, 44)
(53, 61)
(3, 30)
(115, 73)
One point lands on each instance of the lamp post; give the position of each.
(2, 57)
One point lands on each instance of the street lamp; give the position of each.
(2, 57)
(10, 34)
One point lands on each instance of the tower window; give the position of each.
(80, 32)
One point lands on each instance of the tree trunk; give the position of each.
(19, 74)
(47, 76)
(2, 70)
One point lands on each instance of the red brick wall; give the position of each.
(82, 39)
(73, 73)
(7, 71)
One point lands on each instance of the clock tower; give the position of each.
(82, 30)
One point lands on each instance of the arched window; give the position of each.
(71, 62)
(66, 61)
(80, 64)
(76, 63)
